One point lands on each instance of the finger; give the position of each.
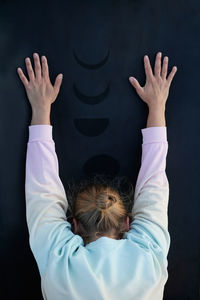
(22, 77)
(136, 85)
(157, 67)
(171, 75)
(45, 69)
(29, 69)
(147, 66)
(164, 67)
(58, 82)
(37, 66)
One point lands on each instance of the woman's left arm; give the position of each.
(41, 93)
(46, 202)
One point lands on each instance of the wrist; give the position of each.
(156, 117)
(41, 117)
(157, 109)
(41, 110)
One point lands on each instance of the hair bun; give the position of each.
(103, 202)
(112, 199)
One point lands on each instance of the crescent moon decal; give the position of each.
(91, 127)
(91, 66)
(91, 99)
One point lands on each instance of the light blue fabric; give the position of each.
(133, 268)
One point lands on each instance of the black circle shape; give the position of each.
(101, 164)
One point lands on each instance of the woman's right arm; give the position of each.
(150, 221)
(156, 89)
(156, 117)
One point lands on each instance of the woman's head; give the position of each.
(99, 207)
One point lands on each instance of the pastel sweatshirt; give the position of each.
(133, 268)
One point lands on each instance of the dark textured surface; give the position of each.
(97, 45)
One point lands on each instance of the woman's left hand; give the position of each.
(41, 93)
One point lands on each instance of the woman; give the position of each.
(107, 255)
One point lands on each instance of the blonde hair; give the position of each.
(99, 205)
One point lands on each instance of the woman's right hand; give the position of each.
(156, 89)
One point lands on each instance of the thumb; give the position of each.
(136, 85)
(58, 82)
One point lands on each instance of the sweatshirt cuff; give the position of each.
(154, 134)
(40, 132)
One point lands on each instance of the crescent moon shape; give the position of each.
(91, 127)
(101, 164)
(91, 66)
(91, 99)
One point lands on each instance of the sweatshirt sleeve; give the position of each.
(149, 227)
(46, 202)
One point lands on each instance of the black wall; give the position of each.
(97, 45)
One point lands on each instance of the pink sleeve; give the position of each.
(150, 209)
(46, 202)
